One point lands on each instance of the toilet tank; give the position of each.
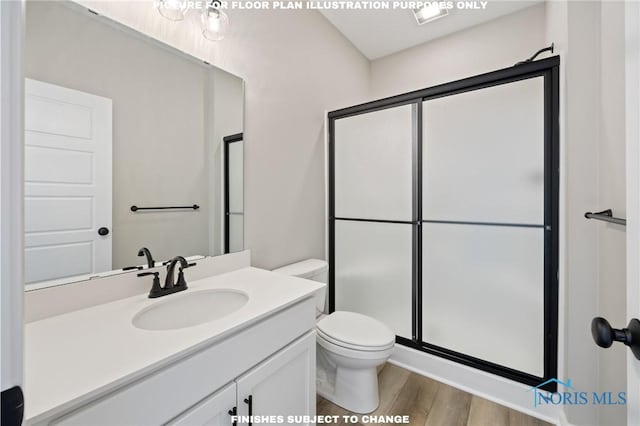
(310, 269)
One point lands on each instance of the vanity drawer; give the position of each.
(147, 402)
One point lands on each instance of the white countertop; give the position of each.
(74, 357)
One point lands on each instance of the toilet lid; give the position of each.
(354, 329)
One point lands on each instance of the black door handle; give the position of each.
(604, 335)
(103, 231)
(249, 401)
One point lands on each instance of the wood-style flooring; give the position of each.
(431, 403)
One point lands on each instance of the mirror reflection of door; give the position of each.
(233, 194)
(167, 115)
(67, 199)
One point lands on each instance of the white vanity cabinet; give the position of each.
(283, 385)
(270, 363)
(215, 410)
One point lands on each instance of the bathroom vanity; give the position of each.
(141, 361)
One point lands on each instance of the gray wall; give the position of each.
(611, 193)
(493, 45)
(296, 66)
(590, 37)
(228, 109)
(580, 164)
(159, 106)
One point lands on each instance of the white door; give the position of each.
(215, 410)
(67, 198)
(632, 28)
(11, 160)
(283, 385)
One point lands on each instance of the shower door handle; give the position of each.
(604, 335)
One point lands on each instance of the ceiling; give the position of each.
(378, 33)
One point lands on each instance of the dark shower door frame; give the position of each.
(227, 140)
(549, 70)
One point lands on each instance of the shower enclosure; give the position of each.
(443, 218)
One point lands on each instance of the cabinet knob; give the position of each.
(232, 413)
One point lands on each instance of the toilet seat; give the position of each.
(355, 355)
(355, 331)
(328, 341)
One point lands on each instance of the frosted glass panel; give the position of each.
(373, 271)
(483, 155)
(373, 164)
(483, 293)
(236, 234)
(235, 177)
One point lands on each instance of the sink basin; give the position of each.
(190, 308)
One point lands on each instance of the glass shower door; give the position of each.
(444, 218)
(483, 233)
(374, 218)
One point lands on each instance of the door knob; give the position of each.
(604, 335)
(103, 231)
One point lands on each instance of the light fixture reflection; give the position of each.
(214, 23)
(429, 13)
(173, 10)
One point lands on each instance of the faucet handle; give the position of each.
(131, 268)
(156, 290)
(166, 262)
(181, 282)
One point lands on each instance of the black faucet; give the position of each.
(146, 252)
(169, 286)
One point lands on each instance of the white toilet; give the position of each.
(350, 347)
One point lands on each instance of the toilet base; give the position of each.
(355, 390)
(348, 376)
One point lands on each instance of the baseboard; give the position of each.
(562, 420)
(494, 388)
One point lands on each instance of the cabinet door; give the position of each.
(283, 385)
(214, 410)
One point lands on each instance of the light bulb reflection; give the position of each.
(214, 23)
(173, 10)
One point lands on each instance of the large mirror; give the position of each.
(129, 143)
